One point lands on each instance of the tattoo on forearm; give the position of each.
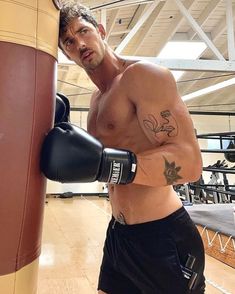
(121, 219)
(171, 172)
(168, 124)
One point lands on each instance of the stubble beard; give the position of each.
(94, 64)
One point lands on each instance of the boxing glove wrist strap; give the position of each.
(118, 166)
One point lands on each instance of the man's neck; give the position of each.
(111, 66)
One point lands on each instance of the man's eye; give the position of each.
(68, 43)
(83, 31)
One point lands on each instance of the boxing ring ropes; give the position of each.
(217, 234)
(220, 247)
(217, 244)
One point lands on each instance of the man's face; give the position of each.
(83, 43)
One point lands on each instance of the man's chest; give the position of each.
(110, 114)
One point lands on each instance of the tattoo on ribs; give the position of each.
(121, 219)
(167, 125)
(171, 172)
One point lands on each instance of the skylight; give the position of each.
(182, 50)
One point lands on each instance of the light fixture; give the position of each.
(209, 89)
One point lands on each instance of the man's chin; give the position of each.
(91, 66)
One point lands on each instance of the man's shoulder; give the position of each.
(144, 73)
(148, 82)
(142, 69)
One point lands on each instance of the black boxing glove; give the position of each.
(62, 109)
(69, 155)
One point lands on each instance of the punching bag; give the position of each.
(28, 53)
(230, 156)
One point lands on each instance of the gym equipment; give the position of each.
(231, 155)
(183, 192)
(216, 190)
(28, 50)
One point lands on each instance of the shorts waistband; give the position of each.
(148, 227)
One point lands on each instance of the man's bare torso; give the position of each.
(112, 119)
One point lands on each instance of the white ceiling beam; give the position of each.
(230, 30)
(211, 6)
(137, 26)
(188, 64)
(141, 37)
(175, 24)
(111, 23)
(198, 29)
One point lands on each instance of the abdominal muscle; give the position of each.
(133, 204)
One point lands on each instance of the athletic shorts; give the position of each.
(155, 257)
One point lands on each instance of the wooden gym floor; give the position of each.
(72, 243)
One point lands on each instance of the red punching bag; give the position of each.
(28, 53)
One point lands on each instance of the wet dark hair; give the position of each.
(71, 10)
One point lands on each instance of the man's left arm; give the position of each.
(175, 156)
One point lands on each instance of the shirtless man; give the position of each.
(151, 241)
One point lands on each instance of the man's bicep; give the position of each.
(161, 113)
(162, 118)
(159, 124)
(175, 153)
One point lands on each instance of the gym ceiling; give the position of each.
(142, 28)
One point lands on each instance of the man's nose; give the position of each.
(80, 43)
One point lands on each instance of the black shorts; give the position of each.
(151, 257)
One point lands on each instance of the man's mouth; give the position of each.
(86, 54)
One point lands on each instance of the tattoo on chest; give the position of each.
(167, 124)
(171, 172)
(121, 219)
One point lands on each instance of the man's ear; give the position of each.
(102, 31)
